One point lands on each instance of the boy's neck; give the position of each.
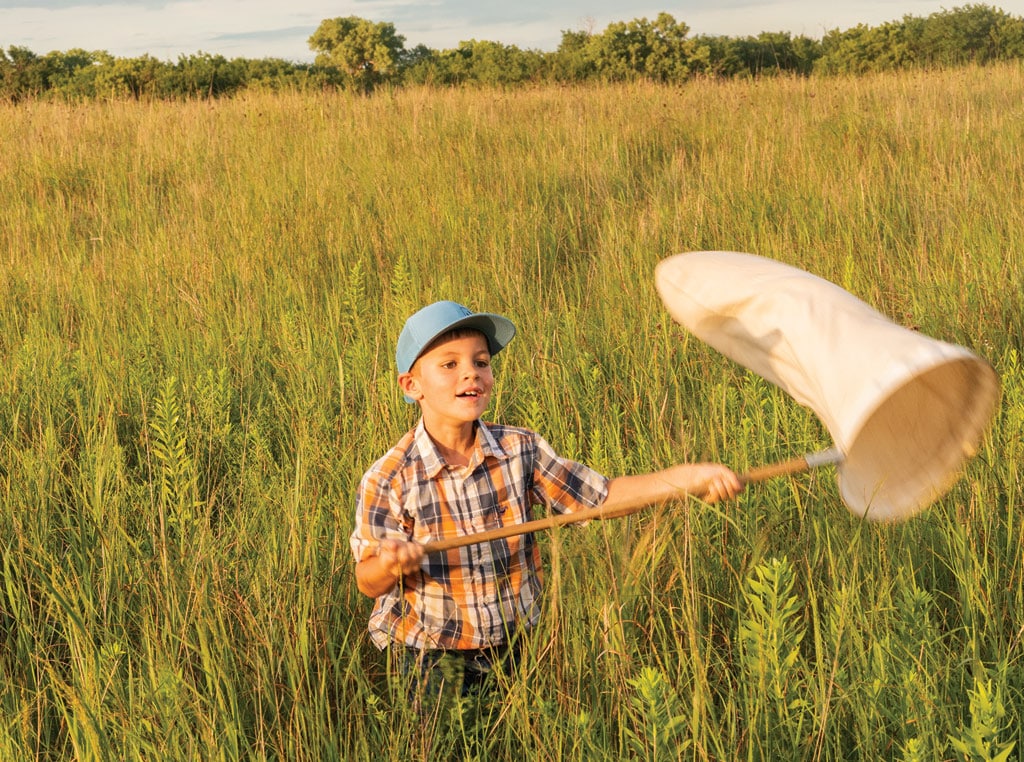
(455, 444)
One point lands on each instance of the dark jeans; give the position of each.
(432, 672)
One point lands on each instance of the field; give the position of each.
(198, 304)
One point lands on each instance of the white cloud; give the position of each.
(271, 28)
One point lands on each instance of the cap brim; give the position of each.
(498, 330)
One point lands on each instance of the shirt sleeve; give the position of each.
(377, 517)
(565, 485)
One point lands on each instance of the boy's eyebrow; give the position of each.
(446, 353)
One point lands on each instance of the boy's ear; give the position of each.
(409, 385)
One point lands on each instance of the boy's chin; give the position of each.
(472, 411)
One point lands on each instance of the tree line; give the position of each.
(354, 53)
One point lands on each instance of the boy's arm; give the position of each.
(709, 482)
(378, 574)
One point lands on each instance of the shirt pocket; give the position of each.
(423, 508)
(506, 502)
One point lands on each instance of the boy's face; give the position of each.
(452, 381)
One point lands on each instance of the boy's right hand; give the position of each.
(400, 558)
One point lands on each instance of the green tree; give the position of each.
(976, 34)
(969, 34)
(366, 52)
(863, 49)
(657, 50)
(205, 75)
(69, 73)
(417, 65)
(780, 52)
(144, 76)
(491, 63)
(719, 56)
(768, 53)
(571, 62)
(22, 73)
(278, 74)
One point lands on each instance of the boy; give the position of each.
(455, 475)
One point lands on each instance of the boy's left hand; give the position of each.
(720, 482)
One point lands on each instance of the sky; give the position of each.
(167, 29)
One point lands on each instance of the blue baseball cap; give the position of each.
(440, 317)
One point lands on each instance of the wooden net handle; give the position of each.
(763, 473)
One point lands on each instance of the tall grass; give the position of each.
(199, 303)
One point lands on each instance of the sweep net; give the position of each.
(906, 411)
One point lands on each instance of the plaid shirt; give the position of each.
(469, 597)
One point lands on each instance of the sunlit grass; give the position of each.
(199, 303)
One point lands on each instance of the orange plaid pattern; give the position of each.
(475, 596)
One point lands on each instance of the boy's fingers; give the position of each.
(413, 557)
(723, 487)
(400, 557)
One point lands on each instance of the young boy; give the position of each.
(456, 475)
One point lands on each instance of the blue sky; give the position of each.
(272, 28)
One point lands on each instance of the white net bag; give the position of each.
(904, 410)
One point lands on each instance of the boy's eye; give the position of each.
(482, 363)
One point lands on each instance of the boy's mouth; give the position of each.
(470, 393)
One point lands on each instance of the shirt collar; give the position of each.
(489, 446)
(433, 464)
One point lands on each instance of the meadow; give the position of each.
(198, 304)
